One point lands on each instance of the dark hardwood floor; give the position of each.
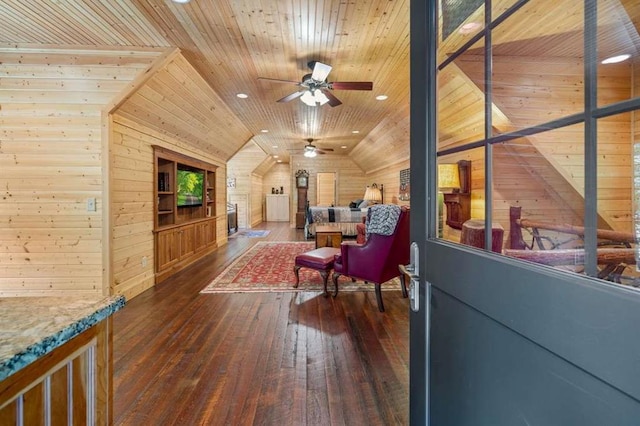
(186, 358)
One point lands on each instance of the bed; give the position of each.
(345, 218)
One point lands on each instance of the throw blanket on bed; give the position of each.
(334, 214)
(382, 219)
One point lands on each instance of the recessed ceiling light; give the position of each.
(469, 27)
(355, 132)
(275, 156)
(382, 97)
(181, 1)
(343, 147)
(264, 131)
(274, 146)
(616, 59)
(242, 95)
(279, 161)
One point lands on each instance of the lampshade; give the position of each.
(373, 193)
(448, 177)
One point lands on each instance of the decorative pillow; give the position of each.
(353, 205)
(363, 204)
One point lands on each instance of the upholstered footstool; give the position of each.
(320, 260)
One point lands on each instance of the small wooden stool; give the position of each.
(320, 260)
(328, 236)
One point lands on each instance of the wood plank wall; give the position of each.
(257, 200)
(51, 159)
(175, 109)
(132, 202)
(278, 176)
(552, 161)
(248, 197)
(390, 178)
(351, 181)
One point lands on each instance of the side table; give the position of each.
(328, 236)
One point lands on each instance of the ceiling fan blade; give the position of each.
(333, 101)
(277, 80)
(351, 85)
(320, 71)
(326, 149)
(292, 96)
(319, 151)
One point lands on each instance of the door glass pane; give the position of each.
(461, 99)
(461, 191)
(618, 169)
(501, 6)
(538, 65)
(618, 49)
(538, 190)
(460, 20)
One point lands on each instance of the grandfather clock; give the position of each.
(302, 183)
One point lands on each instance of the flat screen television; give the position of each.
(190, 191)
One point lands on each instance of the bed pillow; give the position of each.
(363, 204)
(354, 204)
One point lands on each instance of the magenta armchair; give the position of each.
(377, 259)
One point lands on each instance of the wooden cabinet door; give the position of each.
(201, 230)
(210, 232)
(187, 240)
(167, 248)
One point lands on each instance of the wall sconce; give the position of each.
(373, 194)
(454, 181)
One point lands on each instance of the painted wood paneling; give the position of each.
(51, 155)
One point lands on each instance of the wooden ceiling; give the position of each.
(231, 43)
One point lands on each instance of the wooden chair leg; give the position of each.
(325, 276)
(334, 278)
(379, 297)
(295, 271)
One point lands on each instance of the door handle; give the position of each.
(412, 270)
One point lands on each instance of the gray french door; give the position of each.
(537, 105)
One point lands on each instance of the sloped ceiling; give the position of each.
(232, 43)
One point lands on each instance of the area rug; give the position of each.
(250, 233)
(268, 267)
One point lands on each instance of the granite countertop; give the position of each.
(31, 327)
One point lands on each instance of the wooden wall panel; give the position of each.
(190, 111)
(132, 202)
(351, 181)
(278, 176)
(257, 200)
(390, 178)
(241, 167)
(51, 157)
(554, 159)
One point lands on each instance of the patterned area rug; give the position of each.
(268, 267)
(250, 233)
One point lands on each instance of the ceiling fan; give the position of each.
(316, 88)
(310, 150)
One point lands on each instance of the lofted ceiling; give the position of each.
(232, 43)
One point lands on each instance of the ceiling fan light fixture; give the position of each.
(308, 99)
(321, 98)
(310, 153)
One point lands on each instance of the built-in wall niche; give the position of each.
(185, 188)
(185, 222)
